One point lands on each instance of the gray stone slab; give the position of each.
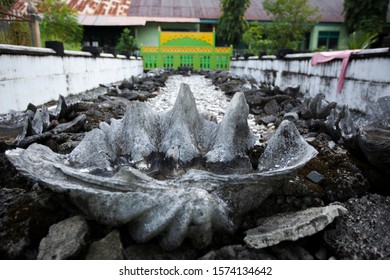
(108, 248)
(291, 226)
(66, 240)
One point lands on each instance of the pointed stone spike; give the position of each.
(37, 123)
(234, 137)
(45, 118)
(93, 153)
(183, 130)
(61, 110)
(136, 136)
(286, 149)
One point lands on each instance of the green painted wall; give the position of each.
(148, 35)
(328, 27)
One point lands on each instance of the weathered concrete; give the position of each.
(366, 77)
(37, 75)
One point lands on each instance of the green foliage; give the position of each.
(232, 23)
(291, 20)
(256, 37)
(126, 42)
(6, 4)
(16, 33)
(73, 46)
(59, 22)
(361, 40)
(365, 15)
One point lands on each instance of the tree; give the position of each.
(59, 22)
(6, 4)
(365, 15)
(126, 42)
(232, 23)
(257, 37)
(291, 20)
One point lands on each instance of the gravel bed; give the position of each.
(209, 99)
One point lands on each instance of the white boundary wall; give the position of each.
(38, 75)
(367, 77)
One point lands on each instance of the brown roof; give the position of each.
(176, 10)
(101, 7)
(331, 10)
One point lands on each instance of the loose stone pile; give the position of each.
(258, 194)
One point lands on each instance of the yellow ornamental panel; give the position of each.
(186, 49)
(206, 37)
(149, 49)
(223, 50)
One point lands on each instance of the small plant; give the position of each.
(126, 42)
(59, 23)
(361, 40)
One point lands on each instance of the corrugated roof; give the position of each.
(178, 10)
(175, 8)
(331, 10)
(101, 7)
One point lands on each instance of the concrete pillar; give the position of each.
(34, 29)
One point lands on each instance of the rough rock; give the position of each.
(364, 232)
(38, 126)
(375, 145)
(315, 177)
(25, 217)
(317, 107)
(62, 110)
(268, 119)
(291, 116)
(271, 107)
(127, 83)
(73, 126)
(108, 248)
(66, 240)
(340, 125)
(292, 90)
(379, 112)
(291, 226)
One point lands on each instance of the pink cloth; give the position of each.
(320, 57)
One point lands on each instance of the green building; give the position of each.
(103, 20)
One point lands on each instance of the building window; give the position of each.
(328, 39)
